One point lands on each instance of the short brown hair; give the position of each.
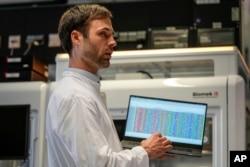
(78, 18)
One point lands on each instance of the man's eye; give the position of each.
(104, 34)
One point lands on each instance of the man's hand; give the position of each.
(156, 146)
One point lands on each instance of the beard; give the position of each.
(94, 56)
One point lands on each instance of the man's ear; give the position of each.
(76, 37)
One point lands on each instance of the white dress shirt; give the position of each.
(79, 129)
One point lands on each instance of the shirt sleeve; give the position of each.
(88, 137)
(136, 157)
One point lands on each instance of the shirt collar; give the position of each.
(87, 74)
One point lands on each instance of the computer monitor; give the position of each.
(14, 131)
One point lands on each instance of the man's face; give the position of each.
(98, 46)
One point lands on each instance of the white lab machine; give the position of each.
(225, 117)
(163, 63)
(34, 94)
(217, 76)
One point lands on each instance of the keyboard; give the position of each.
(129, 144)
(185, 151)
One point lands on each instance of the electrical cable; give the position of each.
(28, 49)
(147, 73)
(11, 52)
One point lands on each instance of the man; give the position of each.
(79, 129)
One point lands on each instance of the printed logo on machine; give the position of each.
(210, 94)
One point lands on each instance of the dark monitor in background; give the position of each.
(169, 37)
(14, 131)
(215, 37)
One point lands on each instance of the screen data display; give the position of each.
(177, 120)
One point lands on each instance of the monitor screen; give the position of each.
(14, 130)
